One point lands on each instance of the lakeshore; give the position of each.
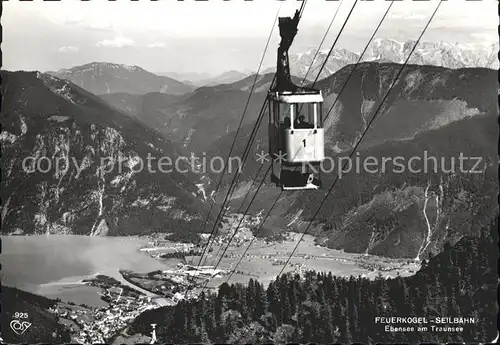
(104, 283)
(55, 266)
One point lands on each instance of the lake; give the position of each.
(53, 266)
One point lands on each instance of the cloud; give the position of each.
(72, 21)
(99, 27)
(68, 49)
(117, 42)
(91, 25)
(157, 45)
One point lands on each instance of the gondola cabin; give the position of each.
(296, 138)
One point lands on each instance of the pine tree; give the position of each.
(260, 301)
(274, 304)
(250, 299)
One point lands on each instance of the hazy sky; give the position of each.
(215, 35)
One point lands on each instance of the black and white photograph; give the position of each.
(249, 172)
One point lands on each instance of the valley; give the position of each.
(134, 286)
(111, 248)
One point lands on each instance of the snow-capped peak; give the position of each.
(458, 55)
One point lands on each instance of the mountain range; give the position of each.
(73, 164)
(435, 111)
(199, 118)
(431, 109)
(205, 79)
(76, 145)
(104, 78)
(388, 50)
(107, 78)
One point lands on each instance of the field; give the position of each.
(265, 261)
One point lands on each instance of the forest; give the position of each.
(322, 308)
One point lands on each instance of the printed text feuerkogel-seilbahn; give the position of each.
(424, 320)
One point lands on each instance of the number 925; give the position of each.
(18, 315)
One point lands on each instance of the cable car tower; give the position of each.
(296, 135)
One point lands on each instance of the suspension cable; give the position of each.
(301, 84)
(214, 230)
(328, 114)
(245, 156)
(321, 43)
(241, 120)
(331, 49)
(377, 112)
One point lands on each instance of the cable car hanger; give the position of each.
(296, 135)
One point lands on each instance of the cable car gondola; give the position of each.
(296, 134)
